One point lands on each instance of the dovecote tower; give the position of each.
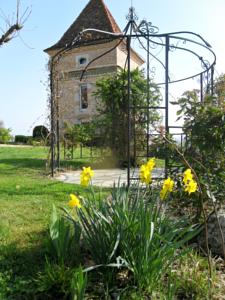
(76, 103)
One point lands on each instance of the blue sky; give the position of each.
(23, 74)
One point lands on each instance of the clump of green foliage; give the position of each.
(23, 139)
(128, 232)
(112, 108)
(204, 127)
(83, 134)
(5, 134)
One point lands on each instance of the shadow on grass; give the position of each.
(20, 266)
(38, 164)
(23, 272)
(24, 261)
(73, 164)
(42, 188)
(31, 163)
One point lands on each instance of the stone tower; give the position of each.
(76, 102)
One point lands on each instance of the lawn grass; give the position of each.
(27, 194)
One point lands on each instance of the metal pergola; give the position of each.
(182, 41)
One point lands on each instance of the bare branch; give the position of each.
(17, 11)
(25, 15)
(4, 17)
(14, 25)
(9, 34)
(25, 44)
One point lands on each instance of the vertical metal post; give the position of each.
(167, 85)
(212, 78)
(128, 109)
(57, 127)
(201, 87)
(52, 119)
(133, 129)
(81, 150)
(207, 83)
(64, 150)
(167, 98)
(148, 90)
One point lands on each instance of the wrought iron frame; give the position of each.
(134, 31)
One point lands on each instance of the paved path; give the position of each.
(105, 178)
(16, 146)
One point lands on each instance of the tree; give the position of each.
(5, 134)
(112, 107)
(13, 25)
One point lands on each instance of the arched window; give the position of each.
(83, 96)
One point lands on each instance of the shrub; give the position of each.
(5, 135)
(23, 139)
(81, 133)
(40, 132)
(204, 127)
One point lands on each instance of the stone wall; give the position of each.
(68, 82)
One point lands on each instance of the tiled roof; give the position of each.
(94, 15)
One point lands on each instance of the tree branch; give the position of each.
(9, 34)
(13, 26)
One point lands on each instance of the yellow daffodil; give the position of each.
(88, 171)
(86, 176)
(191, 187)
(168, 185)
(145, 171)
(84, 181)
(145, 175)
(187, 176)
(163, 194)
(74, 201)
(151, 164)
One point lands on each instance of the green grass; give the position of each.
(27, 193)
(26, 198)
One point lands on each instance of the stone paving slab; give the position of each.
(104, 177)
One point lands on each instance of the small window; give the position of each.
(83, 96)
(82, 61)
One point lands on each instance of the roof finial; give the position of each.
(132, 15)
